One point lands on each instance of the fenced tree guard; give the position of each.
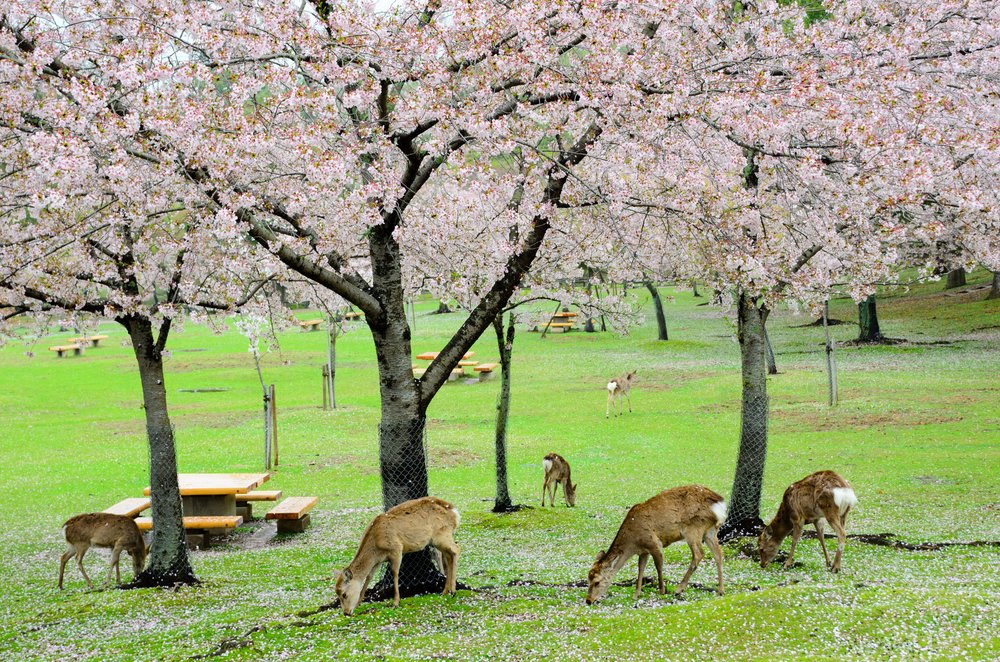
(403, 459)
(744, 504)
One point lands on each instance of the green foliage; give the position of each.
(917, 433)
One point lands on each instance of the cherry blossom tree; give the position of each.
(321, 131)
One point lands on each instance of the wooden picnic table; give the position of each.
(214, 494)
(430, 356)
(93, 340)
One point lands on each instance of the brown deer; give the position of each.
(408, 527)
(556, 474)
(821, 498)
(618, 387)
(692, 513)
(103, 530)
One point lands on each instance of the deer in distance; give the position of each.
(692, 513)
(819, 499)
(408, 527)
(557, 473)
(617, 388)
(118, 532)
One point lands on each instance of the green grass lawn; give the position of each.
(917, 432)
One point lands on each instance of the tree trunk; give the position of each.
(831, 358)
(995, 289)
(744, 507)
(661, 319)
(868, 321)
(331, 361)
(168, 562)
(956, 278)
(694, 289)
(772, 366)
(502, 503)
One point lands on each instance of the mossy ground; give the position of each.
(917, 432)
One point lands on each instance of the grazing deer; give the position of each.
(408, 527)
(618, 387)
(692, 513)
(103, 530)
(819, 499)
(556, 474)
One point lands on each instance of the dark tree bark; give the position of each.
(168, 562)
(995, 289)
(772, 366)
(505, 345)
(744, 506)
(694, 289)
(868, 321)
(956, 278)
(442, 308)
(402, 460)
(661, 319)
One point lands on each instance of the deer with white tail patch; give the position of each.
(692, 513)
(408, 527)
(617, 388)
(557, 473)
(821, 498)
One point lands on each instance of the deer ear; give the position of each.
(348, 575)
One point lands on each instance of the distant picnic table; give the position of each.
(93, 340)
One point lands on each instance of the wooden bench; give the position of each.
(485, 369)
(467, 364)
(200, 527)
(65, 349)
(93, 340)
(129, 507)
(244, 502)
(310, 325)
(292, 514)
(559, 325)
(353, 316)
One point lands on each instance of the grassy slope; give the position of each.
(917, 433)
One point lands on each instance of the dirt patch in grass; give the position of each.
(211, 420)
(826, 419)
(359, 464)
(446, 458)
(126, 427)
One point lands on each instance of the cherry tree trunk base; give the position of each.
(505, 508)
(748, 527)
(167, 579)
(418, 575)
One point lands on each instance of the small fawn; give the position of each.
(819, 499)
(408, 527)
(692, 513)
(556, 474)
(103, 530)
(618, 387)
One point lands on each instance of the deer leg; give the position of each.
(642, 570)
(545, 486)
(607, 407)
(368, 579)
(115, 555)
(629, 398)
(822, 542)
(62, 563)
(796, 534)
(697, 554)
(657, 554)
(712, 538)
(835, 524)
(80, 551)
(394, 560)
(449, 551)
